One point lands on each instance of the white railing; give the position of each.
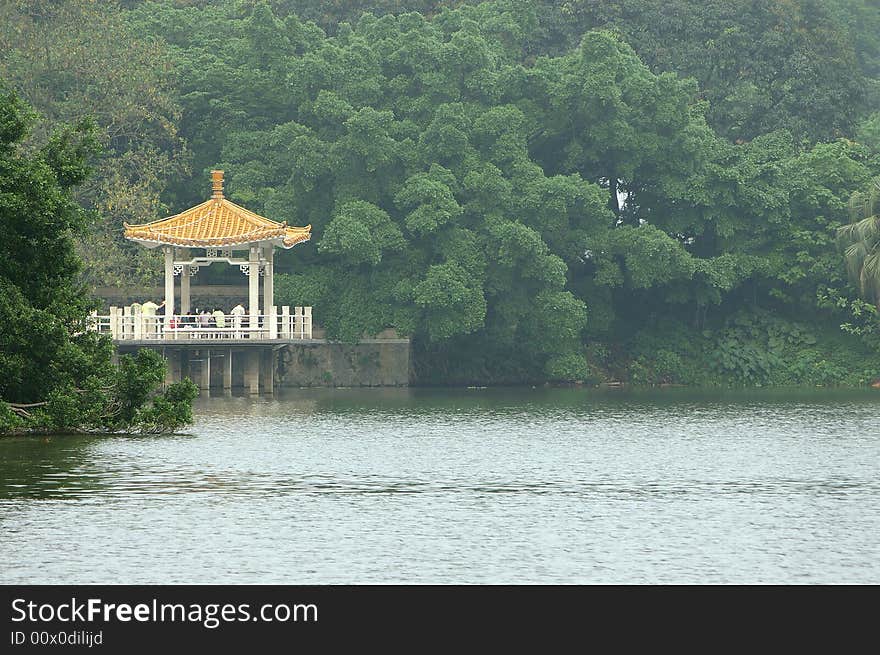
(123, 324)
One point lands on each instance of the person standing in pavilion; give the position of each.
(238, 313)
(148, 311)
(219, 318)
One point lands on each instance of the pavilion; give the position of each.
(218, 230)
(253, 349)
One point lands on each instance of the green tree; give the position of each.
(763, 65)
(613, 121)
(79, 59)
(392, 140)
(56, 374)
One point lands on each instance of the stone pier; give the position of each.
(204, 358)
(252, 371)
(227, 370)
(249, 367)
(264, 366)
(174, 371)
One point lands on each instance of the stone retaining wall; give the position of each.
(370, 363)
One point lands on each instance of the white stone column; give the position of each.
(297, 323)
(169, 281)
(115, 331)
(138, 324)
(285, 322)
(268, 279)
(254, 286)
(272, 314)
(184, 284)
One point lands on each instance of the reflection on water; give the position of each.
(527, 485)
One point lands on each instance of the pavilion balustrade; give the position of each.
(123, 324)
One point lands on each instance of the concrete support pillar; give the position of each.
(173, 372)
(127, 323)
(205, 377)
(169, 281)
(254, 286)
(184, 285)
(186, 364)
(227, 371)
(267, 370)
(252, 370)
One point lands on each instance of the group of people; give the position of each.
(209, 318)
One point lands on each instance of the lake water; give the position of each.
(459, 486)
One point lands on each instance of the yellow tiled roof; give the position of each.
(216, 223)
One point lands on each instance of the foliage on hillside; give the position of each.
(528, 189)
(80, 58)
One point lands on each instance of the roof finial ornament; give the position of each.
(217, 184)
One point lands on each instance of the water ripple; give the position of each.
(423, 486)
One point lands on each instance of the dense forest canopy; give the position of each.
(645, 190)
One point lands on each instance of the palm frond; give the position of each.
(867, 229)
(854, 258)
(860, 241)
(869, 280)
